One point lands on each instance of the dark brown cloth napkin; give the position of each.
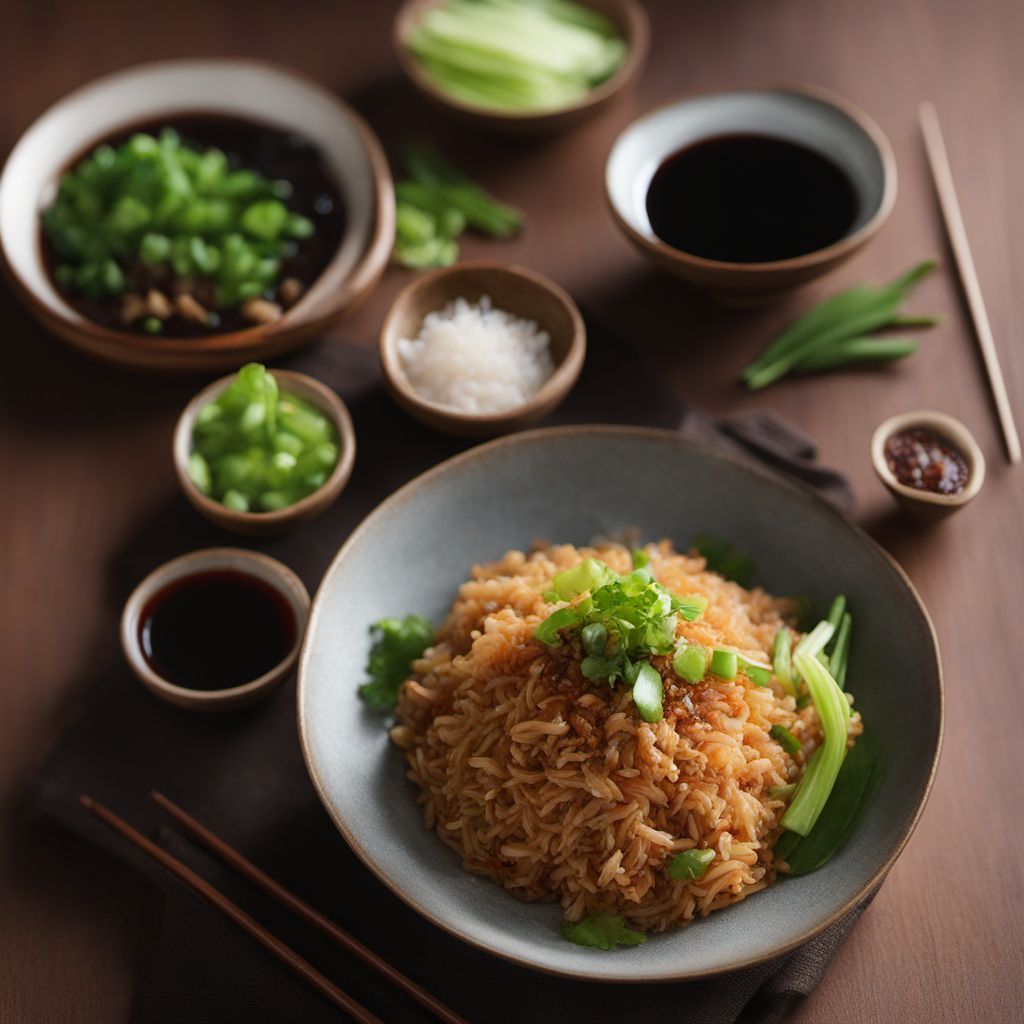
(242, 774)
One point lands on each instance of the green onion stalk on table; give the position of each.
(842, 331)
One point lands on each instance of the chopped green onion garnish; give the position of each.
(757, 672)
(640, 558)
(724, 664)
(647, 693)
(691, 662)
(782, 792)
(588, 575)
(785, 739)
(690, 864)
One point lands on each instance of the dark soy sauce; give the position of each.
(216, 630)
(750, 199)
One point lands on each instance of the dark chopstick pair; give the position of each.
(285, 897)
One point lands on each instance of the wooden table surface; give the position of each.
(84, 449)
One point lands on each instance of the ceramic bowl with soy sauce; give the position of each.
(747, 193)
(215, 629)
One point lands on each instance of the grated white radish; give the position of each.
(477, 359)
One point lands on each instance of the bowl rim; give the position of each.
(327, 401)
(834, 251)
(557, 385)
(942, 423)
(636, 35)
(376, 247)
(285, 582)
(407, 492)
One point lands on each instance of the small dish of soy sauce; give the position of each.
(750, 192)
(215, 629)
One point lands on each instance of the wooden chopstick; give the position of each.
(285, 954)
(302, 909)
(942, 175)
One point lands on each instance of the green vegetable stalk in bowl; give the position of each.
(262, 451)
(521, 64)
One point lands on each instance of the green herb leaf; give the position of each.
(397, 643)
(725, 559)
(602, 931)
(548, 631)
(594, 637)
(690, 864)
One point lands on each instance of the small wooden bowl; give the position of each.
(251, 90)
(804, 114)
(251, 563)
(266, 523)
(628, 16)
(926, 506)
(517, 290)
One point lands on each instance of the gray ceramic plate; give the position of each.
(570, 485)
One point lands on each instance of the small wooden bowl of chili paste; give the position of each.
(929, 461)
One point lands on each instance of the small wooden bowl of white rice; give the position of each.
(481, 348)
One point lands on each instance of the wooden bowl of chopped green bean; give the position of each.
(192, 215)
(522, 66)
(261, 451)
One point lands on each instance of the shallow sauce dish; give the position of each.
(230, 88)
(553, 484)
(268, 571)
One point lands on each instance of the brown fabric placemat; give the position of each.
(242, 773)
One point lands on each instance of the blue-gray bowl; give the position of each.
(570, 485)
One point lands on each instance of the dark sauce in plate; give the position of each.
(274, 153)
(748, 198)
(927, 461)
(215, 630)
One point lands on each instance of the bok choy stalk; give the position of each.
(840, 331)
(515, 55)
(813, 790)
